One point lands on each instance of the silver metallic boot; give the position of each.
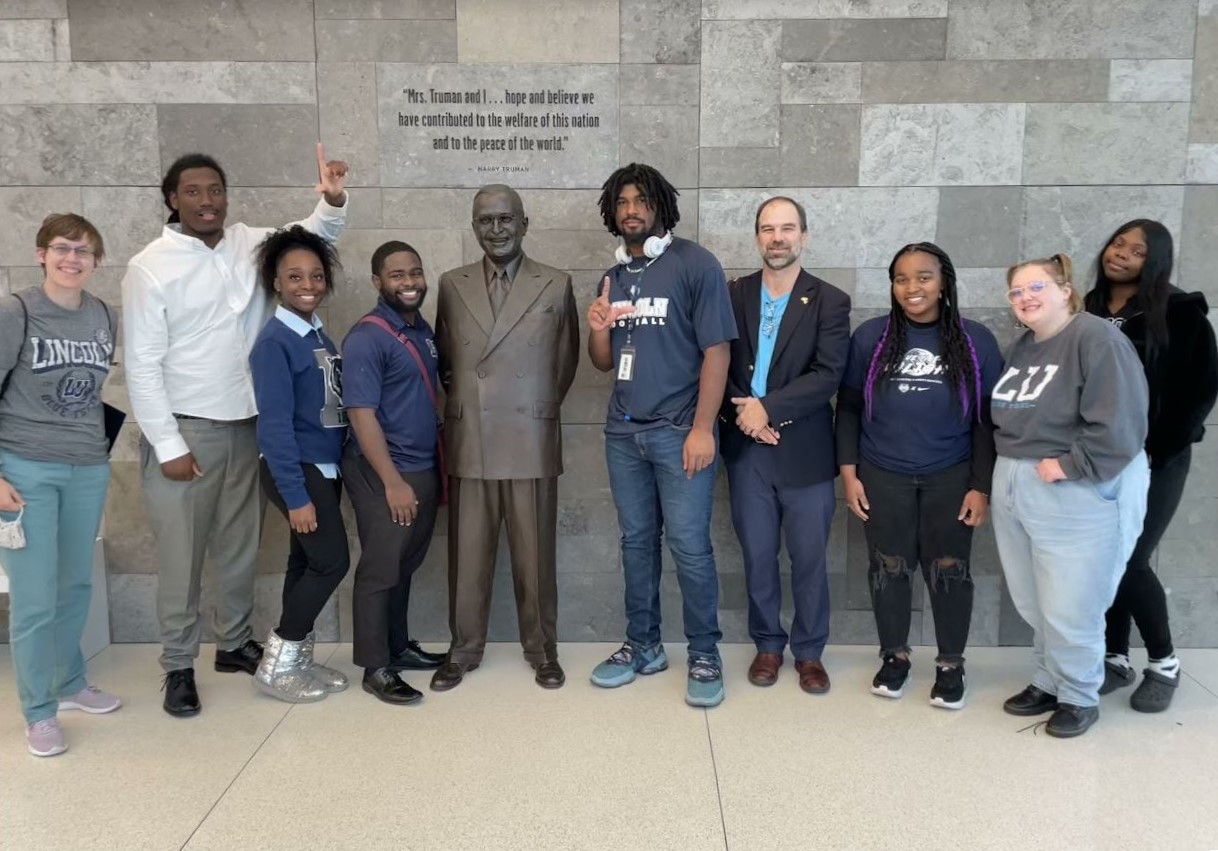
(328, 678)
(283, 674)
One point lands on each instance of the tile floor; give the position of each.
(501, 764)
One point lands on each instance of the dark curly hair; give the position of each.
(957, 352)
(660, 195)
(279, 243)
(172, 177)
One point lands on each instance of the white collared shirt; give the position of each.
(304, 329)
(191, 315)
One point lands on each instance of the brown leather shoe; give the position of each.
(550, 674)
(764, 670)
(450, 674)
(813, 678)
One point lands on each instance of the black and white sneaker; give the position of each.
(949, 689)
(891, 680)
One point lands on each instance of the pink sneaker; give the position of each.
(44, 738)
(91, 699)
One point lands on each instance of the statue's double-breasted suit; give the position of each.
(505, 375)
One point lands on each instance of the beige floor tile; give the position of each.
(851, 770)
(136, 778)
(1199, 665)
(497, 763)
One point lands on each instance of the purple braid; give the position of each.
(976, 376)
(873, 368)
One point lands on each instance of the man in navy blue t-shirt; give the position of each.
(663, 323)
(390, 370)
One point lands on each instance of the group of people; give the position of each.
(1069, 443)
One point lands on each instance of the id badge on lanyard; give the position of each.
(628, 354)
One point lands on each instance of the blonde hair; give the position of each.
(1062, 271)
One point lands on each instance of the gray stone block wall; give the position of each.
(999, 129)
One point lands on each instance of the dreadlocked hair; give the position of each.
(956, 350)
(660, 195)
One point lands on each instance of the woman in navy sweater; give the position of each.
(302, 427)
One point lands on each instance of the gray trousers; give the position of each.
(217, 515)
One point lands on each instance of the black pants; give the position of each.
(390, 556)
(318, 561)
(1140, 596)
(913, 521)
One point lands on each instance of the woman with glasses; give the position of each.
(1069, 485)
(56, 345)
(1175, 343)
(916, 450)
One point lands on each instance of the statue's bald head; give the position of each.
(499, 222)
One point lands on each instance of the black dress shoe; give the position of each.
(1070, 720)
(550, 674)
(415, 658)
(449, 675)
(181, 696)
(1030, 701)
(385, 684)
(244, 658)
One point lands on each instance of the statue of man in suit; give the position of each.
(508, 338)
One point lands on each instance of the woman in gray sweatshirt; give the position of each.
(1069, 490)
(56, 345)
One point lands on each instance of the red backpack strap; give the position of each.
(431, 391)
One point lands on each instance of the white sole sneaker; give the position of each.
(92, 710)
(884, 691)
(948, 704)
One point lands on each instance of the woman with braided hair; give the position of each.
(916, 452)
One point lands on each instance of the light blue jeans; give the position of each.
(1063, 548)
(51, 578)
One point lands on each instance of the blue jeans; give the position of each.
(51, 579)
(652, 493)
(1063, 548)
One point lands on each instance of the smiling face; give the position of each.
(917, 285)
(201, 200)
(1038, 301)
(69, 263)
(300, 280)
(779, 238)
(1125, 256)
(401, 281)
(500, 225)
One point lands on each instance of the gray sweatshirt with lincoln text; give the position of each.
(52, 409)
(1079, 396)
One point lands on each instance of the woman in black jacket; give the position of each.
(1175, 342)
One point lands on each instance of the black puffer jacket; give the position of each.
(1183, 377)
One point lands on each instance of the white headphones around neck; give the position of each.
(653, 248)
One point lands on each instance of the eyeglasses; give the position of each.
(1035, 288)
(60, 249)
(505, 221)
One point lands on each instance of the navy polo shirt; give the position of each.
(682, 307)
(379, 373)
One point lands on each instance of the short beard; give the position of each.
(777, 265)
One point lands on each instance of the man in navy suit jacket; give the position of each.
(777, 440)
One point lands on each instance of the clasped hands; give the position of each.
(753, 420)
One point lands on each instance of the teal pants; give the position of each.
(51, 579)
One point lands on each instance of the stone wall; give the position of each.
(999, 129)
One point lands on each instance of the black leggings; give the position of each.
(914, 522)
(317, 561)
(1140, 596)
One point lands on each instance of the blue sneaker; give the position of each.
(621, 668)
(705, 684)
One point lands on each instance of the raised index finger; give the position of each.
(321, 159)
(605, 289)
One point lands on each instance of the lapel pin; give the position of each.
(804, 299)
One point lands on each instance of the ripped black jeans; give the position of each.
(913, 521)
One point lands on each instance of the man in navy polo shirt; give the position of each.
(389, 378)
(663, 323)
